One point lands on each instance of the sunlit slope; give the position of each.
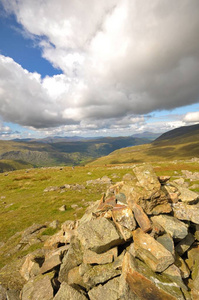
(180, 144)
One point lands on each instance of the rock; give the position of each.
(59, 238)
(147, 178)
(162, 209)
(128, 177)
(187, 196)
(181, 264)
(2, 293)
(103, 232)
(167, 241)
(121, 199)
(146, 284)
(51, 262)
(54, 224)
(67, 292)
(75, 278)
(141, 218)
(72, 259)
(196, 234)
(63, 208)
(171, 192)
(99, 274)
(185, 244)
(186, 212)
(163, 179)
(30, 268)
(176, 228)
(156, 256)
(109, 290)
(91, 257)
(51, 189)
(124, 220)
(174, 273)
(31, 231)
(12, 295)
(38, 288)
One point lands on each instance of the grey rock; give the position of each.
(73, 258)
(176, 228)
(167, 241)
(109, 291)
(147, 178)
(67, 292)
(185, 244)
(98, 235)
(38, 288)
(183, 211)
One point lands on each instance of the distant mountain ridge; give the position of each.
(62, 151)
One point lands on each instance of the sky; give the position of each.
(97, 68)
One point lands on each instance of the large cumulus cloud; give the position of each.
(119, 59)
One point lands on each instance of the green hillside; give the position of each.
(11, 165)
(180, 143)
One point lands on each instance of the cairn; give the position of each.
(140, 242)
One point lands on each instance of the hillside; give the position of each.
(52, 152)
(180, 143)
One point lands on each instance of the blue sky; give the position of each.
(124, 69)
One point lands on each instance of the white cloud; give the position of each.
(191, 117)
(119, 59)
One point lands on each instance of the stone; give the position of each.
(181, 264)
(55, 240)
(98, 235)
(99, 274)
(121, 198)
(67, 292)
(167, 241)
(187, 196)
(31, 266)
(185, 244)
(50, 263)
(196, 234)
(12, 295)
(124, 216)
(39, 287)
(62, 208)
(75, 278)
(183, 211)
(193, 260)
(156, 256)
(174, 273)
(91, 257)
(147, 178)
(88, 215)
(163, 179)
(109, 291)
(2, 293)
(128, 177)
(141, 218)
(162, 209)
(54, 224)
(171, 192)
(146, 284)
(176, 228)
(72, 259)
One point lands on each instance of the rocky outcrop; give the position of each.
(140, 241)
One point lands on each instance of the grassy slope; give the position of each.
(182, 146)
(11, 165)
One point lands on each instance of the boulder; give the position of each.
(141, 218)
(73, 258)
(147, 178)
(176, 228)
(146, 284)
(91, 257)
(154, 254)
(109, 290)
(186, 212)
(167, 241)
(67, 292)
(185, 244)
(39, 288)
(187, 196)
(98, 235)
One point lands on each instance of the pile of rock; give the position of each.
(140, 241)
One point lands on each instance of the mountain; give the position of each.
(176, 144)
(63, 151)
(147, 135)
(181, 134)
